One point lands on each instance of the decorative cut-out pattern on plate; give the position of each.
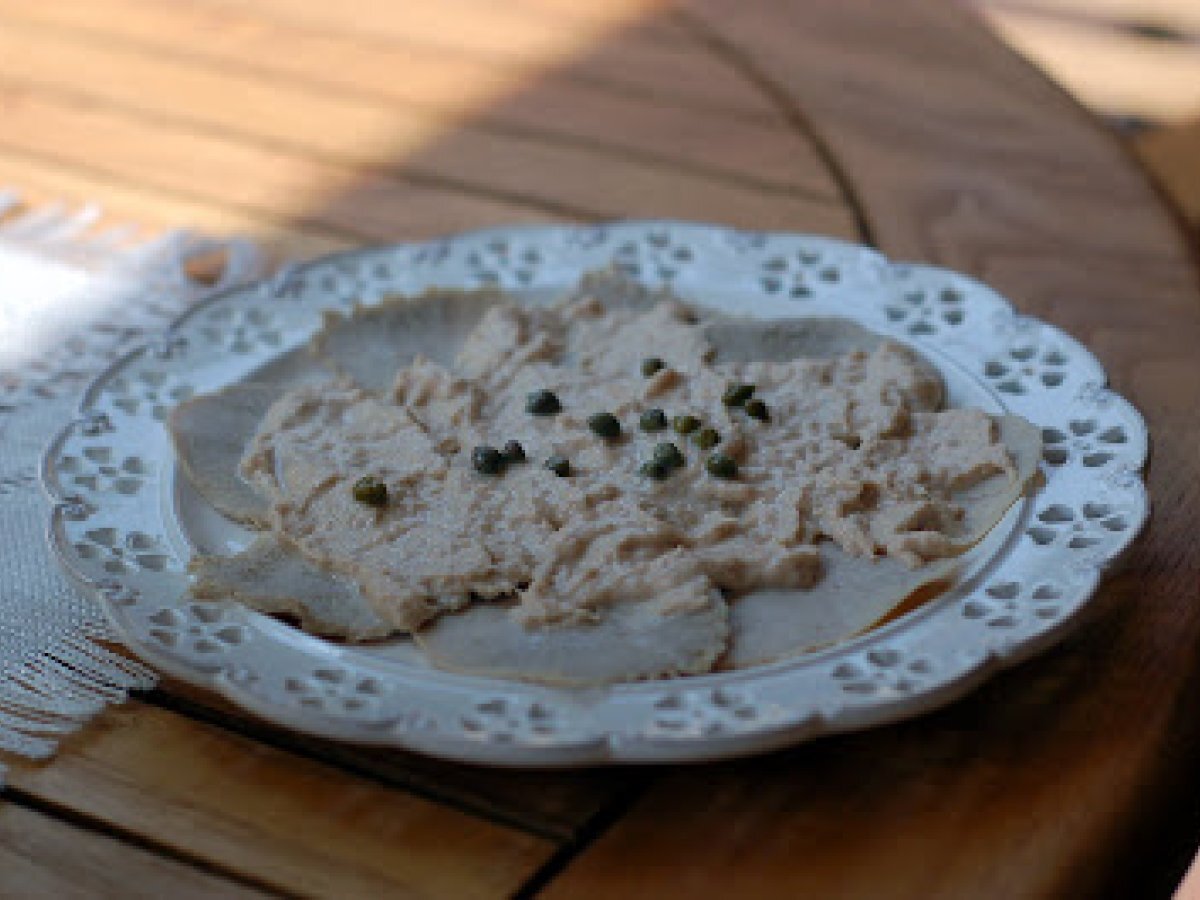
(115, 523)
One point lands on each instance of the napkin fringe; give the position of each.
(73, 667)
(57, 690)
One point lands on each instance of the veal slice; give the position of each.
(210, 432)
(371, 344)
(852, 596)
(985, 503)
(745, 340)
(633, 641)
(268, 577)
(856, 594)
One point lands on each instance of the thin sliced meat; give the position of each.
(634, 641)
(210, 432)
(271, 579)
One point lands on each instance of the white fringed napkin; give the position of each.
(72, 298)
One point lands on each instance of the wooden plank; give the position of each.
(41, 856)
(285, 186)
(618, 58)
(981, 124)
(1173, 156)
(555, 804)
(363, 133)
(271, 817)
(863, 816)
(1148, 78)
(539, 104)
(1056, 779)
(128, 204)
(381, 204)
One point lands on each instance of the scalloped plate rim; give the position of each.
(613, 747)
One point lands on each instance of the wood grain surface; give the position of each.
(44, 856)
(554, 804)
(312, 127)
(1031, 788)
(204, 794)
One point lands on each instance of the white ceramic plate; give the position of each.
(125, 522)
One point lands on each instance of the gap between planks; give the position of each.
(628, 784)
(45, 854)
(421, 148)
(627, 66)
(267, 180)
(681, 77)
(306, 183)
(173, 854)
(72, 818)
(512, 797)
(749, 152)
(299, 826)
(792, 112)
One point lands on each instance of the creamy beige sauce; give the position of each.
(855, 451)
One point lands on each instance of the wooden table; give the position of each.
(314, 126)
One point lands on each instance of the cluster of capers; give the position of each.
(665, 460)
(487, 460)
(545, 402)
(667, 457)
(743, 395)
(602, 424)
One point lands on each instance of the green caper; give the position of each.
(513, 452)
(653, 420)
(652, 364)
(559, 465)
(685, 424)
(707, 438)
(737, 394)
(542, 403)
(371, 491)
(756, 409)
(668, 454)
(721, 466)
(653, 468)
(605, 425)
(487, 460)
